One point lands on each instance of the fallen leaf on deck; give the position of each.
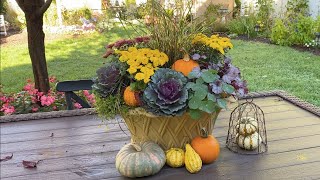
(30, 164)
(7, 158)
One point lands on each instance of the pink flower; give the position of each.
(90, 97)
(6, 99)
(34, 109)
(7, 109)
(52, 79)
(77, 105)
(28, 87)
(40, 93)
(34, 99)
(86, 93)
(47, 100)
(54, 108)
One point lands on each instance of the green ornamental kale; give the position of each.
(166, 94)
(108, 80)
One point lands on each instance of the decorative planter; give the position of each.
(168, 132)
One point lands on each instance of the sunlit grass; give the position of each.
(270, 67)
(68, 59)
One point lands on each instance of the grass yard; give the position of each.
(265, 67)
(270, 67)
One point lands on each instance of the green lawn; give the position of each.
(265, 67)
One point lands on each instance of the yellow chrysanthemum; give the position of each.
(131, 49)
(132, 70)
(123, 58)
(214, 41)
(146, 80)
(139, 76)
(142, 62)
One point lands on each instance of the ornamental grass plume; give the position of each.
(171, 32)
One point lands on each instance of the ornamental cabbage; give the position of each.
(108, 80)
(166, 94)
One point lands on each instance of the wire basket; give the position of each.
(247, 130)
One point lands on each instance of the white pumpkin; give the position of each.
(250, 142)
(247, 126)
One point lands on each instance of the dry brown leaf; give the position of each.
(30, 164)
(7, 158)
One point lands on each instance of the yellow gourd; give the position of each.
(192, 160)
(175, 157)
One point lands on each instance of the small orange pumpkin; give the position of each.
(129, 97)
(185, 65)
(206, 146)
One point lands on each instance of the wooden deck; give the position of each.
(78, 148)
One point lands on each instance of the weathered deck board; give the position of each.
(80, 149)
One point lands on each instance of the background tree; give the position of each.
(34, 11)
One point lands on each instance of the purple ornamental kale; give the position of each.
(166, 94)
(169, 91)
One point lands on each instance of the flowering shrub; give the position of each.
(30, 100)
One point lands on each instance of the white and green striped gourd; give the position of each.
(247, 126)
(140, 159)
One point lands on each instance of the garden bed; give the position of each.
(313, 50)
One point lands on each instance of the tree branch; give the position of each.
(45, 6)
(21, 4)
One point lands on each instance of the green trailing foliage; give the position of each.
(110, 106)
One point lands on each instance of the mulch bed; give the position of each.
(314, 50)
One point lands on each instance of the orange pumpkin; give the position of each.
(185, 65)
(206, 146)
(129, 97)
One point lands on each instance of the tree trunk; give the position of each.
(37, 51)
(34, 10)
